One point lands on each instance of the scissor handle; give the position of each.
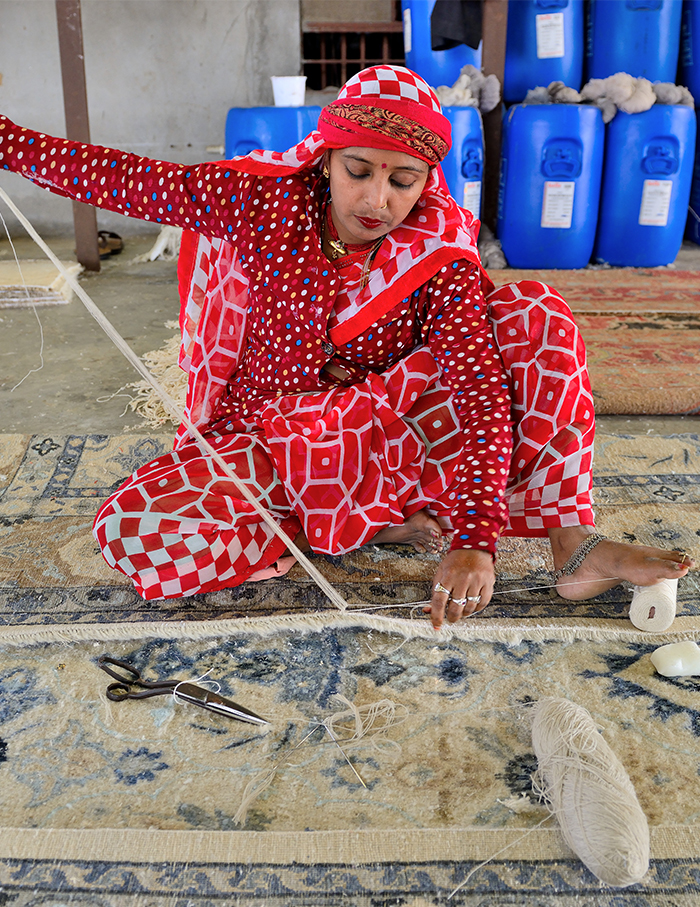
(120, 691)
(133, 675)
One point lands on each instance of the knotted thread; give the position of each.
(586, 787)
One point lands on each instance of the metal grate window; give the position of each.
(335, 51)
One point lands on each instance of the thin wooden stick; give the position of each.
(175, 410)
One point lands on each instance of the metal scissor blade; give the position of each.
(200, 696)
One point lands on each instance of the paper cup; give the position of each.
(289, 90)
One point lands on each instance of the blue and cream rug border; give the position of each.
(364, 869)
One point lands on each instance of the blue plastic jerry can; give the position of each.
(639, 37)
(269, 128)
(692, 230)
(690, 48)
(646, 186)
(551, 167)
(544, 43)
(464, 165)
(437, 67)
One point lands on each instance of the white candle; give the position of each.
(677, 659)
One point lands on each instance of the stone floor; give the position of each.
(73, 378)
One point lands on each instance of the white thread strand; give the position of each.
(371, 722)
(175, 410)
(29, 300)
(415, 605)
(586, 787)
(495, 855)
(214, 684)
(41, 351)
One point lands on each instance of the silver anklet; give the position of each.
(579, 555)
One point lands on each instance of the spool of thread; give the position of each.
(653, 608)
(588, 790)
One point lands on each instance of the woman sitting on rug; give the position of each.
(342, 359)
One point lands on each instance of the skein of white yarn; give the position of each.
(588, 790)
(653, 608)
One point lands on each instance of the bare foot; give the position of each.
(420, 530)
(302, 543)
(609, 563)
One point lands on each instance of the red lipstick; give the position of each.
(369, 223)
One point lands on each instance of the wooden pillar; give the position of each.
(493, 60)
(70, 42)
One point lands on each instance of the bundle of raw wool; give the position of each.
(166, 247)
(618, 92)
(472, 89)
(490, 250)
(162, 363)
(554, 93)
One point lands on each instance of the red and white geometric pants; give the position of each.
(178, 526)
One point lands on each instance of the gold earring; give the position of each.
(326, 172)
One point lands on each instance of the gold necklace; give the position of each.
(339, 249)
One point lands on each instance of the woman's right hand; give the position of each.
(462, 586)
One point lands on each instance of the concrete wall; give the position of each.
(161, 76)
(347, 10)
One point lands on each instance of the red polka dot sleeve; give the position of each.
(457, 329)
(200, 197)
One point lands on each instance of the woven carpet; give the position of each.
(646, 490)
(133, 804)
(642, 333)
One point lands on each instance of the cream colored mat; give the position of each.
(34, 283)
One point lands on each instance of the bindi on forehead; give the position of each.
(383, 166)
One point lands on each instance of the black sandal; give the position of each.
(108, 243)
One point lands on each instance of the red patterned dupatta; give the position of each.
(214, 283)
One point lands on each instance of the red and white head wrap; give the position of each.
(388, 107)
(384, 106)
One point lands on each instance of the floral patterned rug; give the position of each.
(640, 326)
(398, 817)
(134, 804)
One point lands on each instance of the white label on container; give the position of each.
(656, 201)
(557, 205)
(407, 37)
(472, 197)
(550, 35)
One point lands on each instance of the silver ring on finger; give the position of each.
(460, 602)
(438, 587)
(474, 598)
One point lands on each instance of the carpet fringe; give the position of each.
(509, 632)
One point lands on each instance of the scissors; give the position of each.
(181, 689)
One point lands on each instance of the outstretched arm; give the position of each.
(203, 197)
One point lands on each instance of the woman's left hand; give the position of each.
(463, 585)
